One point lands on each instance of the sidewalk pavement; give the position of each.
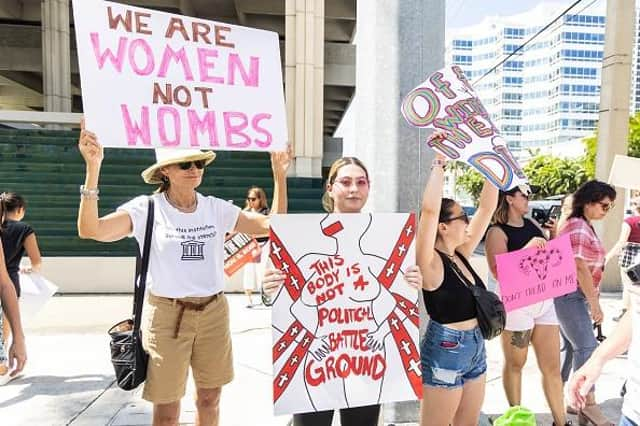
(69, 379)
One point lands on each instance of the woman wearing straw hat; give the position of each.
(186, 319)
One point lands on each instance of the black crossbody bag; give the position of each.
(128, 357)
(490, 312)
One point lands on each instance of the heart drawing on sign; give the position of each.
(540, 262)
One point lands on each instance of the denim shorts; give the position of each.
(451, 357)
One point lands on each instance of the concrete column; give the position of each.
(56, 60)
(398, 43)
(613, 129)
(304, 82)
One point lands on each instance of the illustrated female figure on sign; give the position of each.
(342, 312)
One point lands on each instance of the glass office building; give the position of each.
(548, 92)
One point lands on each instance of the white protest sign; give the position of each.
(624, 172)
(345, 323)
(155, 79)
(447, 101)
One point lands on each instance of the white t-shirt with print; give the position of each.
(187, 255)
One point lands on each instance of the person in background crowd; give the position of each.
(17, 238)
(625, 337)
(577, 311)
(13, 363)
(537, 323)
(257, 203)
(628, 248)
(565, 212)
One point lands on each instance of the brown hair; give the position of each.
(260, 194)
(501, 215)
(9, 203)
(446, 207)
(327, 201)
(592, 191)
(164, 186)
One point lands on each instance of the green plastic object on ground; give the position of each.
(516, 416)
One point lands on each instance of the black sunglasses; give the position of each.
(251, 198)
(186, 165)
(464, 217)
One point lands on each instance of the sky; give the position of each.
(462, 13)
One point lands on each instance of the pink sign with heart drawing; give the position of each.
(532, 275)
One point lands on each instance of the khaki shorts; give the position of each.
(203, 342)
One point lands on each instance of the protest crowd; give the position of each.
(344, 285)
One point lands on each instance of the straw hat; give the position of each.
(168, 156)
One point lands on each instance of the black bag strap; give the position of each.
(456, 270)
(142, 266)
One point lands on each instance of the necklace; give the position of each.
(451, 257)
(192, 208)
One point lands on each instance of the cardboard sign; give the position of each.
(155, 79)
(532, 275)
(624, 172)
(447, 101)
(239, 249)
(345, 323)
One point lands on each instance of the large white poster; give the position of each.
(345, 323)
(446, 101)
(155, 79)
(624, 172)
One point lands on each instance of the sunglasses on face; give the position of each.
(186, 165)
(251, 199)
(463, 217)
(606, 206)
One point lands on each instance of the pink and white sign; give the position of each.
(155, 79)
(446, 100)
(532, 275)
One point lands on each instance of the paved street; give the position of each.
(69, 378)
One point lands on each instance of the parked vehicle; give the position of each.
(544, 210)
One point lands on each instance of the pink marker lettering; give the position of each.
(232, 129)
(134, 130)
(174, 115)
(101, 57)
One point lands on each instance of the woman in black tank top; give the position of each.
(536, 324)
(453, 354)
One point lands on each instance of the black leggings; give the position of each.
(358, 416)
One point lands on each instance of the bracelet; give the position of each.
(89, 194)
